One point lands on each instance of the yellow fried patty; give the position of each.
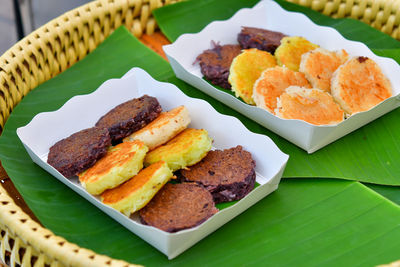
(135, 193)
(359, 85)
(185, 149)
(119, 164)
(290, 51)
(272, 83)
(163, 128)
(318, 65)
(311, 105)
(245, 69)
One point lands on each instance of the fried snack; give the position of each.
(259, 38)
(163, 128)
(311, 105)
(178, 206)
(246, 68)
(290, 51)
(119, 164)
(185, 149)
(215, 63)
(227, 174)
(272, 83)
(79, 151)
(135, 193)
(130, 116)
(318, 65)
(359, 85)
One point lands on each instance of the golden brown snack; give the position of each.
(246, 68)
(318, 65)
(311, 105)
(135, 193)
(163, 128)
(119, 164)
(359, 85)
(290, 51)
(185, 149)
(272, 83)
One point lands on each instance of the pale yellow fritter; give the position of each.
(119, 164)
(163, 128)
(272, 83)
(185, 149)
(311, 105)
(135, 193)
(290, 51)
(318, 65)
(245, 69)
(359, 85)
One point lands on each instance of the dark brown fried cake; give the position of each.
(178, 206)
(79, 151)
(130, 116)
(228, 174)
(259, 38)
(215, 63)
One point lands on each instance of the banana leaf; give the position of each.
(369, 154)
(305, 222)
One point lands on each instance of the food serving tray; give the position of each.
(269, 15)
(83, 111)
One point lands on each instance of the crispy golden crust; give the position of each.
(246, 68)
(163, 128)
(311, 105)
(119, 164)
(290, 51)
(318, 65)
(185, 149)
(272, 83)
(135, 193)
(359, 85)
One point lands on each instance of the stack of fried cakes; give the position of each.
(293, 78)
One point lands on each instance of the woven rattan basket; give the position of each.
(67, 39)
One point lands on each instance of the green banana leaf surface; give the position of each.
(305, 222)
(369, 154)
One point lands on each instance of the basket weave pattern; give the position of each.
(69, 38)
(383, 15)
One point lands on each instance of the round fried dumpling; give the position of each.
(318, 65)
(311, 105)
(290, 51)
(272, 83)
(359, 85)
(245, 69)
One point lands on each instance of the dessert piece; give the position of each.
(246, 68)
(163, 128)
(79, 151)
(311, 105)
(178, 206)
(215, 63)
(130, 116)
(290, 51)
(261, 39)
(228, 174)
(359, 85)
(185, 149)
(272, 83)
(119, 164)
(135, 193)
(318, 65)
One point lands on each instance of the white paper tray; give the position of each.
(269, 15)
(40, 134)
